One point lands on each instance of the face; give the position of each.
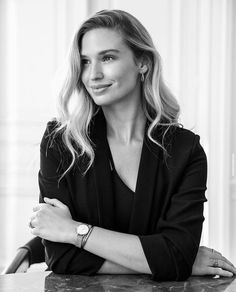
(109, 71)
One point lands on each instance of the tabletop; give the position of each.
(48, 281)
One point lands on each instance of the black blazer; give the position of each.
(167, 213)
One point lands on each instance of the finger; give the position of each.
(210, 250)
(30, 224)
(54, 202)
(225, 266)
(220, 257)
(220, 272)
(38, 207)
(227, 261)
(33, 223)
(215, 252)
(32, 217)
(34, 231)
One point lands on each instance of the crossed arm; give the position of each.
(123, 253)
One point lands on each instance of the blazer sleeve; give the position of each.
(171, 251)
(61, 258)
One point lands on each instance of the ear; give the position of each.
(143, 67)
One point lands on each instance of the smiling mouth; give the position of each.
(100, 88)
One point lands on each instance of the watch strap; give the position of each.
(85, 237)
(79, 238)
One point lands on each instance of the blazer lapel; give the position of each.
(150, 185)
(102, 175)
(145, 188)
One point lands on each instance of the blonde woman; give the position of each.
(122, 183)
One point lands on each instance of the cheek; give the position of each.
(128, 78)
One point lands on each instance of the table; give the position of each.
(48, 281)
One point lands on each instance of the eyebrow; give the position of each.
(104, 52)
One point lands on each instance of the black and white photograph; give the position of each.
(117, 145)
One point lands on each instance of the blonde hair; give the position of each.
(158, 103)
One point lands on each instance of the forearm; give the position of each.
(113, 268)
(52, 221)
(120, 248)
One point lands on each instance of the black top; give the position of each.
(167, 208)
(124, 198)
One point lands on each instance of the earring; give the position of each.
(142, 77)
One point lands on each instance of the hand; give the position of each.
(52, 221)
(211, 262)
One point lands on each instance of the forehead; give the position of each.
(101, 39)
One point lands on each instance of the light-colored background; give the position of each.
(196, 39)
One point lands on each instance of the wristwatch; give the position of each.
(82, 231)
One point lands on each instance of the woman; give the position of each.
(122, 184)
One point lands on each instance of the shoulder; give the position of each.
(185, 137)
(179, 142)
(174, 134)
(185, 147)
(53, 145)
(51, 127)
(52, 140)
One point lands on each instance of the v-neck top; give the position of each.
(124, 198)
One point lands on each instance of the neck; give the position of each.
(125, 125)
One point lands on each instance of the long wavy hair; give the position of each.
(158, 103)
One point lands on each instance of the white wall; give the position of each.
(232, 177)
(34, 40)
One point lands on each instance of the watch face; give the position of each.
(82, 229)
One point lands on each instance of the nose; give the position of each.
(96, 72)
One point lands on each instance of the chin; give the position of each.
(104, 103)
(104, 100)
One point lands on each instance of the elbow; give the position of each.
(56, 268)
(75, 266)
(182, 269)
(172, 272)
(174, 268)
(184, 272)
(167, 260)
(60, 268)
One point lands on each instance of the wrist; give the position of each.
(72, 237)
(83, 231)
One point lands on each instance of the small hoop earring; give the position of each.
(142, 77)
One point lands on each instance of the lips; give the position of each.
(100, 86)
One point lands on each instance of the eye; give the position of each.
(108, 58)
(85, 62)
